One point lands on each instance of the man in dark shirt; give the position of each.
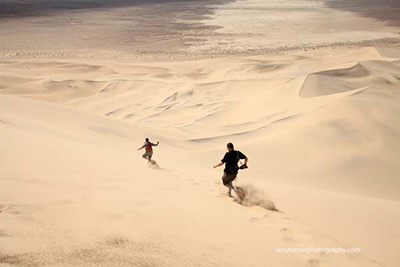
(231, 160)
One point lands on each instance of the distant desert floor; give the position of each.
(321, 130)
(131, 29)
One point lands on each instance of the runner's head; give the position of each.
(147, 139)
(230, 146)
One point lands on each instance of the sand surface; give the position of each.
(308, 90)
(321, 130)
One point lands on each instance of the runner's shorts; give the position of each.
(148, 154)
(227, 178)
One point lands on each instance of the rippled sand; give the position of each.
(318, 117)
(320, 129)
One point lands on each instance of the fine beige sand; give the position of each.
(321, 130)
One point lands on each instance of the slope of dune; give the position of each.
(79, 197)
(321, 130)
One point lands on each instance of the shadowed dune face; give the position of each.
(358, 77)
(335, 81)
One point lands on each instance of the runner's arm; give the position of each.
(243, 156)
(219, 164)
(141, 147)
(222, 161)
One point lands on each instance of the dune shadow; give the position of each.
(153, 164)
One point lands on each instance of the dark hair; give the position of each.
(147, 139)
(230, 145)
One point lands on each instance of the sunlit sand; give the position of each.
(320, 128)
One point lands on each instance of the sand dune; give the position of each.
(320, 128)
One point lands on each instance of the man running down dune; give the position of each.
(231, 160)
(148, 146)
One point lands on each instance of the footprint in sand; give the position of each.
(10, 260)
(3, 208)
(312, 263)
(287, 234)
(22, 211)
(4, 234)
(117, 242)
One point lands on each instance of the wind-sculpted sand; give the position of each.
(321, 130)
